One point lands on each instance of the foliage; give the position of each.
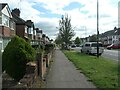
(66, 31)
(103, 72)
(58, 40)
(77, 41)
(49, 47)
(93, 38)
(15, 56)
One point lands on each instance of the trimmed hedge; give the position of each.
(15, 57)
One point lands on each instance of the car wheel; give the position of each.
(81, 51)
(88, 52)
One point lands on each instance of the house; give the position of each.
(21, 27)
(30, 29)
(39, 34)
(110, 37)
(7, 25)
(86, 39)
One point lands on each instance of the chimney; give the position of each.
(16, 11)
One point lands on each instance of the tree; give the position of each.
(15, 57)
(66, 31)
(58, 40)
(77, 41)
(93, 38)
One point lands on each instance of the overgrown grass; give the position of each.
(102, 72)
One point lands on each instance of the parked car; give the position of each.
(91, 48)
(72, 46)
(113, 46)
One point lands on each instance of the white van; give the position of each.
(91, 48)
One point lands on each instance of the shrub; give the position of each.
(15, 56)
(49, 47)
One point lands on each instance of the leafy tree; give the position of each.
(93, 38)
(58, 40)
(15, 57)
(66, 31)
(77, 40)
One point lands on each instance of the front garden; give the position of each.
(22, 64)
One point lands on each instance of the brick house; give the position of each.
(21, 27)
(32, 34)
(110, 37)
(39, 34)
(7, 25)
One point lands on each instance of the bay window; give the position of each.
(30, 31)
(5, 20)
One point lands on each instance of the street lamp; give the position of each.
(97, 28)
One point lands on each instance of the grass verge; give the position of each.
(102, 72)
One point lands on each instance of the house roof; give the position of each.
(17, 19)
(29, 23)
(111, 32)
(2, 5)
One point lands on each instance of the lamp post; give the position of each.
(97, 28)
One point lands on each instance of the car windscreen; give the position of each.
(95, 45)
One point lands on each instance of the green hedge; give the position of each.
(15, 56)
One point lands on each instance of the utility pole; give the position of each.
(97, 28)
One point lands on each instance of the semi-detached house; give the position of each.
(7, 25)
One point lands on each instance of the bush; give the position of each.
(15, 56)
(49, 47)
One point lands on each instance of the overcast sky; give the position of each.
(47, 13)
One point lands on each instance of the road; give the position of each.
(110, 54)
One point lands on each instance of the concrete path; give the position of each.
(63, 74)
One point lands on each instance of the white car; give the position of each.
(91, 48)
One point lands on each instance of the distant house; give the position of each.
(86, 39)
(7, 25)
(21, 27)
(39, 34)
(30, 29)
(110, 37)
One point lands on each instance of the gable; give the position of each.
(6, 11)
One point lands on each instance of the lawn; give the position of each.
(102, 72)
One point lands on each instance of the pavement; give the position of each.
(63, 74)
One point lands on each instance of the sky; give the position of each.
(83, 13)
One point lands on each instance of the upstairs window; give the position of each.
(5, 20)
(11, 25)
(26, 29)
(30, 30)
(34, 32)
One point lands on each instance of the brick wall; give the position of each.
(6, 31)
(20, 29)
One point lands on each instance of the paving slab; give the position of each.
(63, 74)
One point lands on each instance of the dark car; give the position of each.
(112, 46)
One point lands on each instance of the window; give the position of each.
(1, 46)
(5, 42)
(26, 29)
(30, 30)
(11, 25)
(5, 20)
(95, 45)
(87, 45)
(34, 32)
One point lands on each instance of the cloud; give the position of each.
(83, 16)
